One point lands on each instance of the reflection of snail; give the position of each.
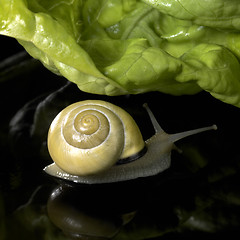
(88, 139)
(78, 215)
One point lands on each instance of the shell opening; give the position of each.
(132, 157)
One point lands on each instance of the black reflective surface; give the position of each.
(198, 197)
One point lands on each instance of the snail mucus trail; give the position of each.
(121, 139)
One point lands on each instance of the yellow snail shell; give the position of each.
(90, 136)
(95, 162)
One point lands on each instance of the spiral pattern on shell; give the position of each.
(90, 136)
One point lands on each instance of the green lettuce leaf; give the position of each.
(117, 47)
(213, 13)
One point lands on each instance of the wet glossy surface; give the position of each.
(198, 197)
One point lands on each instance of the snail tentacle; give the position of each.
(177, 136)
(156, 126)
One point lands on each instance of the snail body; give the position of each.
(78, 157)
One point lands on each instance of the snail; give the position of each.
(94, 141)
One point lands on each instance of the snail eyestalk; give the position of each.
(157, 127)
(177, 136)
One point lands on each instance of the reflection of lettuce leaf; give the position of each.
(119, 47)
